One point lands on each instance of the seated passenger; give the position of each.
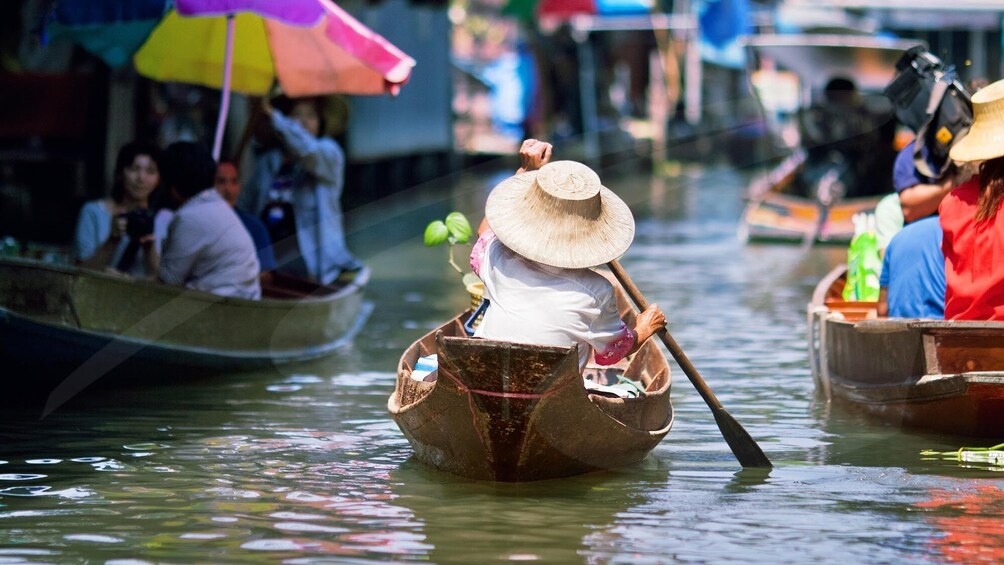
(228, 184)
(913, 273)
(207, 247)
(543, 229)
(123, 232)
(847, 144)
(919, 195)
(971, 216)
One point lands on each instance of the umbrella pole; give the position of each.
(221, 120)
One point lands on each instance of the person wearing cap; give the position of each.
(306, 172)
(912, 280)
(971, 217)
(544, 228)
(919, 195)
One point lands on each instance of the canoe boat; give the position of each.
(812, 195)
(64, 317)
(774, 213)
(502, 411)
(935, 375)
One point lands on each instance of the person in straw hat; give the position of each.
(544, 228)
(971, 219)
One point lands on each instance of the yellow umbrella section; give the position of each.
(191, 50)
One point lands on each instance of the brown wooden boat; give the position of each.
(773, 214)
(936, 375)
(504, 411)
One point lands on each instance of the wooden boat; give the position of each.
(789, 203)
(503, 411)
(774, 214)
(935, 375)
(63, 316)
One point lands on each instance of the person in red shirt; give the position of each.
(971, 216)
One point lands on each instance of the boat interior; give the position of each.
(635, 371)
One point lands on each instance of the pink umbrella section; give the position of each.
(294, 47)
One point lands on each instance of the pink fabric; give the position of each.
(618, 348)
(478, 251)
(368, 46)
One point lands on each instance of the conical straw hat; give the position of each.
(560, 216)
(985, 139)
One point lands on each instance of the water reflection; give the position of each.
(968, 523)
(302, 463)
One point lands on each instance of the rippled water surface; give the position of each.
(303, 463)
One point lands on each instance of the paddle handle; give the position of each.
(674, 348)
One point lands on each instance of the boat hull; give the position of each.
(935, 375)
(502, 411)
(774, 214)
(783, 218)
(55, 316)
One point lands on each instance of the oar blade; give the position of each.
(742, 444)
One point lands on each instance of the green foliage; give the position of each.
(460, 228)
(436, 233)
(456, 229)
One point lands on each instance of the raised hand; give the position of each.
(533, 154)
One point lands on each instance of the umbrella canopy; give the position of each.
(312, 47)
(310, 51)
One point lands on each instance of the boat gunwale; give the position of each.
(941, 385)
(395, 408)
(158, 288)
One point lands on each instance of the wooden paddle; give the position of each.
(745, 449)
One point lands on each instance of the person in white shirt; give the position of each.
(543, 231)
(207, 247)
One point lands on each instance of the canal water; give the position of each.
(302, 464)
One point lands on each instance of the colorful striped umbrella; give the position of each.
(312, 47)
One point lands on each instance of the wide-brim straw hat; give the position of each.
(560, 215)
(985, 139)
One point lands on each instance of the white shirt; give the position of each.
(207, 248)
(543, 305)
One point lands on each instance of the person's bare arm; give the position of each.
(647, 324)
(922, 200)
(883, 303)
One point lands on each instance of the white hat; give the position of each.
(560, 216)
(985, 139)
